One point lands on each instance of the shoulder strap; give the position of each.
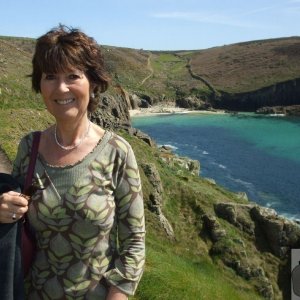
(33, 156)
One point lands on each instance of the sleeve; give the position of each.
(21, 161)
(129, 265)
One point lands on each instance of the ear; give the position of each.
(92, 87)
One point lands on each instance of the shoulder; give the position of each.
(119, 143)
(26, 141)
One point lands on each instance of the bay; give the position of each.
(243, 152)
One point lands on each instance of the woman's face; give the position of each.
(66, 95)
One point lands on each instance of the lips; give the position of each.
(64, 101)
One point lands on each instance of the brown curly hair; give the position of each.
(64, 48)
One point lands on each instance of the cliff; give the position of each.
(280, 94)
(203, 241)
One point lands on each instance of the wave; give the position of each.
(205, 152)
(222, 166)
(242, 182)
(277, 115)
(168, 145)
(219, 165)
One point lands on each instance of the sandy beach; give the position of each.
(168, 109)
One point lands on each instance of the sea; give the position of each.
(243, 152)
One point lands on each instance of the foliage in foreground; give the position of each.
(175, 269)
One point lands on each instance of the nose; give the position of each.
(62, 85)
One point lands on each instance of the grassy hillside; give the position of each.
(162, 75)
(184, 267)
(175, 269)
(15, 66)
(249, 66)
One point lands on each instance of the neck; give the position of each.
(70, 135)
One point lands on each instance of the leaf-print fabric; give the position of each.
(89, 223)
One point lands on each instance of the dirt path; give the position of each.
(5, 165)
(149, 67)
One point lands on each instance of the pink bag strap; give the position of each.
(33, 156)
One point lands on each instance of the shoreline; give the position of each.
(168, 110)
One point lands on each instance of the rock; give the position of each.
(210, 180)
(145, 101)
(192, 102)
(135, 101)
(264, 287)
(214, 228)
(184, 162)
(242, 196)
(166, 149)
(155, 197)
(153, 177)
(112, 112)
(291, 110)
(267, 110)
(236, 214)
(281, 234)
(286, 93)
(144, 104)
(142, 136)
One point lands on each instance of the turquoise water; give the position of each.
(259, 155)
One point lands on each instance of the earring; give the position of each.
(92, 95)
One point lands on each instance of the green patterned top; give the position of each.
(89, 223)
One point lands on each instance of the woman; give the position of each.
(89, 218)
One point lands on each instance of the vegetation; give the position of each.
(175, 269)
(184, 267)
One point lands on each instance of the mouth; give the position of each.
(64, 101)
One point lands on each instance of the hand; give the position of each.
(13, 206)
(115, 294)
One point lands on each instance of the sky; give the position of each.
(155, 24)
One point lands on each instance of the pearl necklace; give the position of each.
(67, 148)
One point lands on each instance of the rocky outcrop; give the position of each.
(192, 102)
(280, 94)
(273, 237)
(272, 232)
(280, 233)
(112, 112)
(291, 110)
(135, 101)
(233, 253)
(142, 136)
(174, 160)
(237, 215)
(156, 197)
(214, 228)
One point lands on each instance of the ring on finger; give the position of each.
(14, 216)
(24, 196)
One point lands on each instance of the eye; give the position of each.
(49, 76)
(74, 76)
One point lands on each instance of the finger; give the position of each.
(14, 198)
(10, 217)
(19, 210)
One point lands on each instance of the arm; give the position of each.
(129, 264)
(115, 294)
(13, 205)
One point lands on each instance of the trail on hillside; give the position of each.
(198, 77)
(5, 165)
(149, 67)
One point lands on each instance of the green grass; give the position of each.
(15, 123)
(175, 269)
(168, 276)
